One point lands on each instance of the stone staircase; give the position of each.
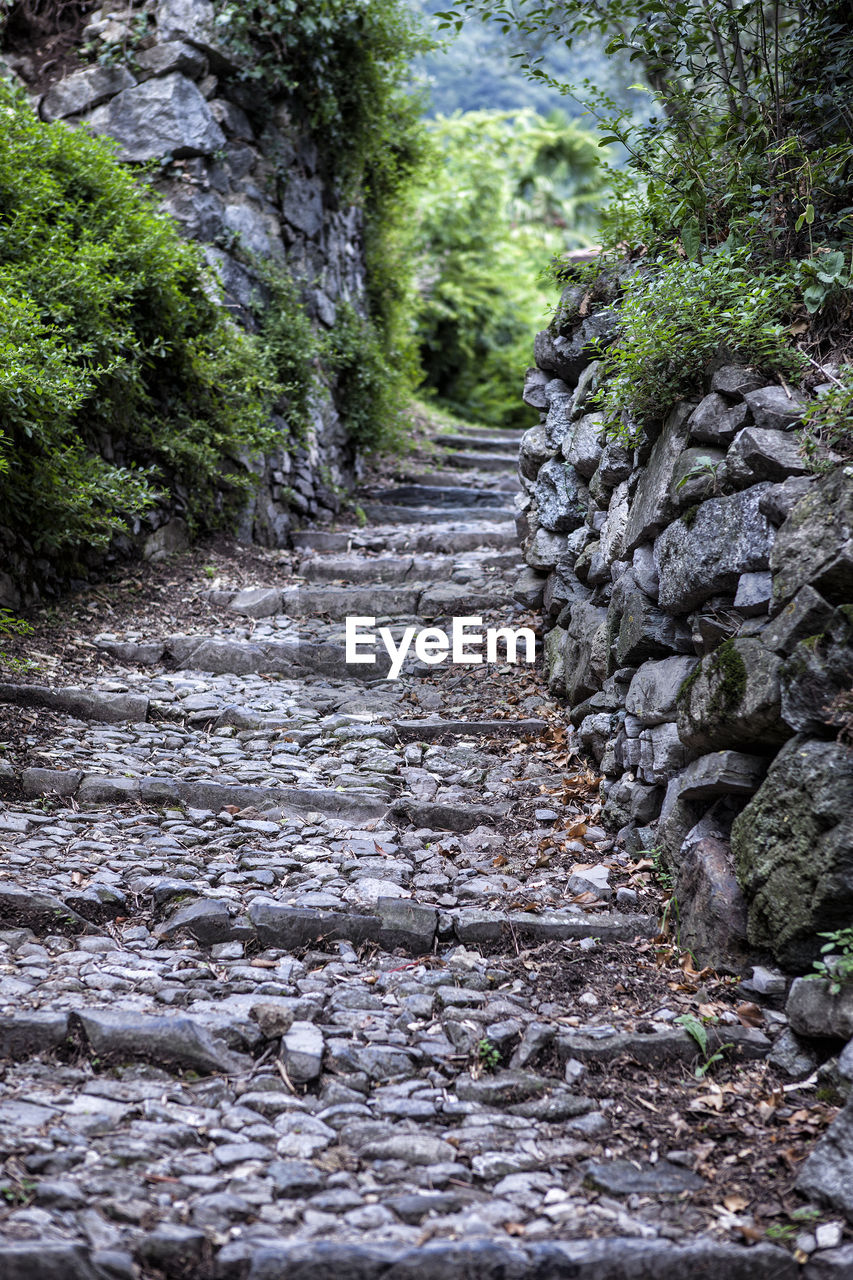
(305, 971)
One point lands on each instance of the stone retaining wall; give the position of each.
(697, 590)
(174, 100)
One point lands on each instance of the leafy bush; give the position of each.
(828, 425)
(511, 190)
(676, 316)
(120, 375)
(369, 399)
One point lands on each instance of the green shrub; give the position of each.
(674, 318)
(120, 376)
(369, 394)
(828, 425)
(510, 190)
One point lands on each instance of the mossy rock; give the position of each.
(733, 699)
(793, 849)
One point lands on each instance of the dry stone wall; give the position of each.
(174, 100)
(697, 590)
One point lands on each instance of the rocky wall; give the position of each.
(165, 89)
(697, 590)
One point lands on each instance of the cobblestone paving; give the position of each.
(303, 971)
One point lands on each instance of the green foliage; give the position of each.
(474, 70)
(370, 396)
(837, 968)
(12, 626)
(340, 65)
(510, 191)
(488, 1055)
(287, 340)
(673, 320)
(695, 1028)
(828, 425)
(119, 375)
(746, 149)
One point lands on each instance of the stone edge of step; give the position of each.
(610, 1258)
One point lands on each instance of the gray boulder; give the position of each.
(642, 630)
(302, 205)
(567, 357)
(715, 421)
(582, 448)
(793, 848)
(734, 380)
(827, 1174)
(161, 117)
(654, 689)
(533, 452)
(694, 477)
(553, 656)
(615, 464)
(193, 21)
(544, 550)
(754, 593)
(808, 614)
(763, 454)
(816, 681)
(529, 589)
(653, 506)
(172, 55)
(711, 907)
(773, 407)
(705, 556)
(581, 658)
(662, 753)
(815, 544)
(84, 90)
(534, 388)
(559, 496)
(779, 500)
(816, 1012)
(721, 773)
(733, 698)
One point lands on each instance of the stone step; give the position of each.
(81, 703)
(430, 730)
(399, 602)
(385, 513)
(417, 928)
(356, 568)
(479, 1258)
(203, 793)
(498, 442)
(439, 496)
(481, 462)
(393, 539)
(494, 482)
(222, 655)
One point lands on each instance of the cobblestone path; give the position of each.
(309, 973)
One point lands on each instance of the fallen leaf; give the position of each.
(749, 1014)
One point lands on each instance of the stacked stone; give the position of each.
(698, 588)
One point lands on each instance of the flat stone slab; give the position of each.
(625, 1178)
(429, 730)
(483, 1259)
(118, 1035)
(83, 704)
